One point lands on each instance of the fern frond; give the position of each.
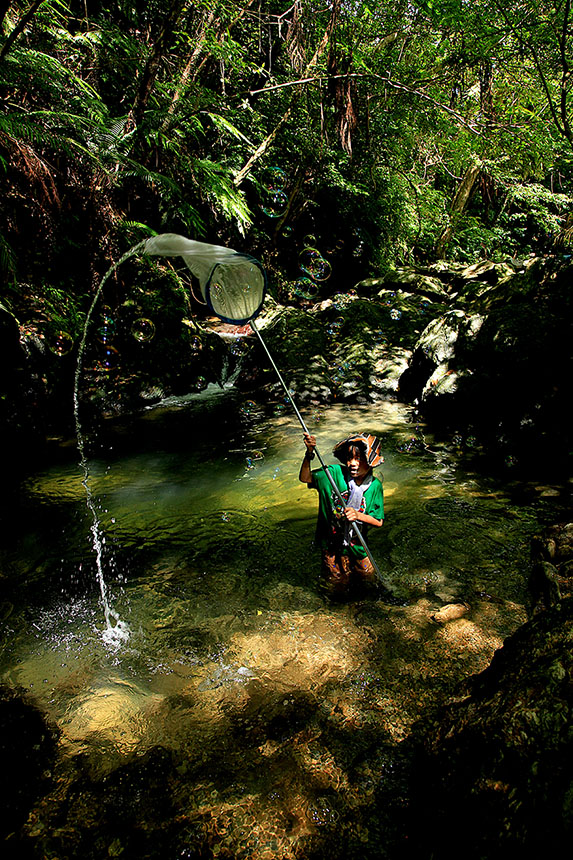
(7, 258)
(48, 72)
(135, 227)
(223, 125)
(175, 202)
(216, 182)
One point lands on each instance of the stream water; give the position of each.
(245, 715)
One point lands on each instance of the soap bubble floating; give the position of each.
(107, 360)
(201, 383)
(248, 407)
(275, 179)
(143, 330)
(60, 343)
(106, 333)
(106, 330)
(253, 458)
(313, 263)
(274, 204)
(239, 347)
(335, 327)
(304, 288)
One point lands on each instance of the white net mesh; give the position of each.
(233, 284)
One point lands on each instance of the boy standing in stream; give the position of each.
(344, 560)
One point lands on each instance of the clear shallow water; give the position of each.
(279, 712)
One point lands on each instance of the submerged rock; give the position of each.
(450, 612)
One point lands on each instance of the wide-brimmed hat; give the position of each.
(369, 444)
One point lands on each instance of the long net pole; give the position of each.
(337, 492)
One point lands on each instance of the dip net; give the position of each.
(232, 284)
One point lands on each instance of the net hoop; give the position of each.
(214, 305)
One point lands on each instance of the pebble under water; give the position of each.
(244, 715)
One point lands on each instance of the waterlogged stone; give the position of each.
(450, 612)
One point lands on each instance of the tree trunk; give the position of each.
(192, 67)
(188, 70)
(20, 26)
(151, 69)
(459, 203)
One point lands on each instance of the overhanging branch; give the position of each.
(397, 85)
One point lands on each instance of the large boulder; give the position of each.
(551, 576)
(497, 365)
(433, 371)
(493, 769)
(346, 348)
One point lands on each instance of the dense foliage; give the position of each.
(389, 131)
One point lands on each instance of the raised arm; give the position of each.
(305, 475)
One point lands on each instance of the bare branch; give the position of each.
(475, 129)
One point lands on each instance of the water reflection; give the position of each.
(269, 715)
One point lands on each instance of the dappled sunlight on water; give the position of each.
(272, 716)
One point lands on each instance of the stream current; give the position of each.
(277, 716)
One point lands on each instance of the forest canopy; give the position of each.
(394, 131)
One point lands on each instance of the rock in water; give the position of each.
(450, 612)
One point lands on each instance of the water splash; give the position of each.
(117, 631)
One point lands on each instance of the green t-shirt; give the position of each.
(329, 526)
